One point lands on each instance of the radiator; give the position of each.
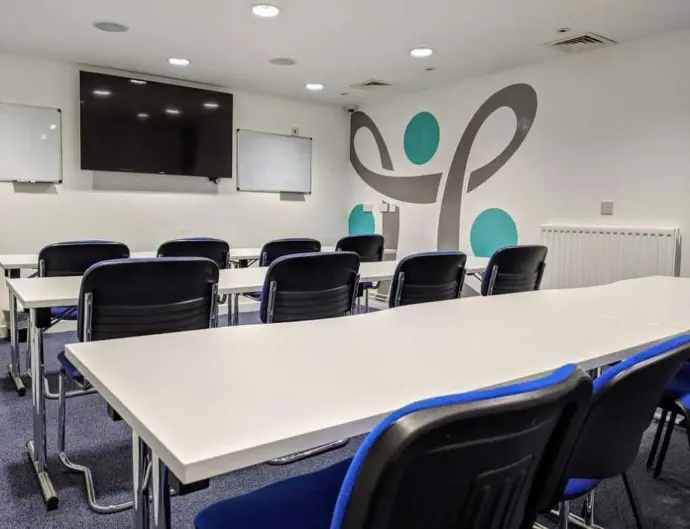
(582, 256)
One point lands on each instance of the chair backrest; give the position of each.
(135, 297)
(484, 459)
(73, 258)
(429, 276)
(217, 250)
(280, 247)
(368, 247)
(514, 269)
(309, 287)
(625, 397)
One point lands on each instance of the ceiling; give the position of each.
(335, 42)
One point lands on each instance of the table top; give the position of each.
(42, 292)
(23, 261)
(309, 383)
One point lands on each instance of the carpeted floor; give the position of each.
(93, 439)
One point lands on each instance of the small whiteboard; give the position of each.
(273, 162)
(30, 144)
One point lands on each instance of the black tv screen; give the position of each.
(138, 126)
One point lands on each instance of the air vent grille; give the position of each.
(371, 84)
(582, 42)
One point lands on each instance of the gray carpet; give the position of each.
(93, 439)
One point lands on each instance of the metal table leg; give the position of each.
(234, 316)
(13, 367)
(37, 446)
(141, 470)
(160, 503)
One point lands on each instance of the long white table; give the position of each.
(334, 384)
(46, 292)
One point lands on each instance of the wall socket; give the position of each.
(607, 207)
(294, 131)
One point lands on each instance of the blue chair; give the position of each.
(309, 286)
(625, 398)
(217, 250)
(135, 297)
(484, 459)
(370, 249)
(429, 276)
(674, 402)
(514, 269)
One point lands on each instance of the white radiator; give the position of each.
(582, 256)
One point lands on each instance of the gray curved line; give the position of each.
(522, 100)
(416, 189)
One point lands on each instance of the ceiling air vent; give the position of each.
(582, 42)
(371, 84)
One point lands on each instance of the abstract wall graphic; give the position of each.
(423, 189)
(422, 136)
(492, 229)
(361, 222)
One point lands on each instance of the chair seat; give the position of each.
(578, 487)
(302, 502)
(64, 313)
(68, 367)
(679, 385)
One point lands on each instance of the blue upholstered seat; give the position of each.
(680, 385)
(579, 487)
(64, 313)
(320, 500)
(68, 367)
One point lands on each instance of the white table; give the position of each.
(46, 292)
(338, 384)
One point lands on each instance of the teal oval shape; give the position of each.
(493, 228)
(361, 222)
(422, 137)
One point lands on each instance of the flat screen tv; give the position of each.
(137, 126)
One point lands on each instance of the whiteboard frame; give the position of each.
(61, 175)
(237, 162)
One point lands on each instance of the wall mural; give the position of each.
(493, 227)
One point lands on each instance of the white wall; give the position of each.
(611, 124)
(144, 210)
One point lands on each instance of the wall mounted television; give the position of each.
(138, 126)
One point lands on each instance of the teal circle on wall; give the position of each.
(361, 222)
(422, 136)
(493, 228)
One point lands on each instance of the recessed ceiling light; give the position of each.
(265, 10)
(142, 115)
(176, 61)
(53, 126)
(211, 104)
(172, 111)
(137, 81)
(110, 27)
(421, 53)
(283, 61)
(314, 86)
(101, 93)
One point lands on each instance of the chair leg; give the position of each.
(304, 454)
(563, 514)
(657, 437)
(588, 509)
(86, 471)
(366, 300)
(664, 444)
(632, 496)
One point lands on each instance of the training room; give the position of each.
(344, 264)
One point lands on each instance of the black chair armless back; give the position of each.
(514, 269)
(280, 247)
(217, 250)
(429, 276)
(477, 460)
(368, 247)
(135, 297)
(625, 398)
(309, 287)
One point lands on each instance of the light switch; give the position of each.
(383, 207)
(607, 207)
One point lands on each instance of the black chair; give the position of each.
(484, 459)
(309, 286)
(281, 247)
(429, 276)
(514, 269)
(135, 297)
(370, 249)
(215, 249)
(624, 401)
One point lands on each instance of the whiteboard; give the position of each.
(30, 144)
(273, 162)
